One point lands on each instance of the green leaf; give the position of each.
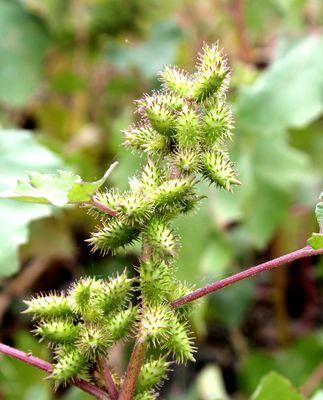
(216, 257)
(295, 362)
(289, 93)
(190, 256)
(16, 148)
(273, 387)
(23, 42)
(270, 170)
(232, 304)
(64, 187)
(316, 241)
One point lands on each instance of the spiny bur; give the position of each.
(151, 374)
(70, 366)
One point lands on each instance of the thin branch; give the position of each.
(108, 379)
(45, 366)
(133, 370)
(102, 207)
(213, 287)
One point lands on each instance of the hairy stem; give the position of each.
(108, 380)
(276, 262)
(45, 366)
(133, 370)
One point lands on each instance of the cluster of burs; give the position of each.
(183, 130)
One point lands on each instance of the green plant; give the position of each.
(183, 131)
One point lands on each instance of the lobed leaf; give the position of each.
(64, 187)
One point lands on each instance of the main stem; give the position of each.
(133, 370)
(108, 379)
(138, 352)
(45, 366)
(213, 287)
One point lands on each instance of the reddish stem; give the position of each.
(213, 287)
(108, 380)
(103, 208)
(133, 370)
(45, 366)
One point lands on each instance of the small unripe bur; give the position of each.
(188, 127)
(134, 208)
(122, 324)
(70, 366)
(58, 332)
(218, 169)
(160, 117)
(150, 176)
(151, 374)
(53, 306)
(217, 124)
(155, 281)
(179, 342)
(93, 341)
(212, 72)
(176, 81)
(160, 238)
(84, 297)
(113, 236)
(117, 293)
(154, 323)
(172, 191)
(187, 160)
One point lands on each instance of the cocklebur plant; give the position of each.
(183, 131)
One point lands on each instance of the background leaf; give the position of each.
(19, 151)
(59, 189)
(23, 42)
(274, 386)
(289, 93)
(149, 57)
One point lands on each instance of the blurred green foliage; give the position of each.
(69, 71)
(16, 148)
